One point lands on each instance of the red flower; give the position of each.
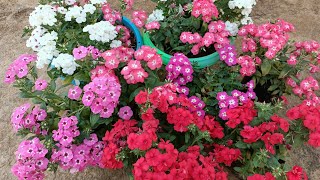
(312, 122)
(226, 155)
(284, 124)
(297, 173)
(250, 134)
(213, 127)
(314, 139)
(142, 97)
(267, 176)
(293, 113)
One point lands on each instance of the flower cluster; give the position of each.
(79, 13)
(77, 157)
(67, 131)
(102, 95)
(272, 37)
(66, 62)
(19, 68)
(134, 73)
(199, 105)
(81, 52)
(237, 98)
(149, 55)
(180, 72)
(228, 54)
(21, 119)
(217, 35)
(102, 31)
(115, 140)
(166, 162)
(225, 155)
(31, 160)
(309, 113)
(109, 14)
(43, 15)
(246, 6)
(114, 56)
(206, 9)
(248, 64)
(140, 19)
(307, 87)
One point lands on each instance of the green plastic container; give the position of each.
(201, 62)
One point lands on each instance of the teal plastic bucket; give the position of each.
(200, 62)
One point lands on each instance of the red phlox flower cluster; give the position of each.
(309, 113)
(206, 9)
(114, 56)
(167, 163)
(297, 173)
(109, 14)
(225, 155)
(115, 140)
(19, 68)
(21, 119)
(244, 114)
(213, 127)
(273, 37)
(267, 176)
(149, 55)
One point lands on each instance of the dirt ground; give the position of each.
(14, 16)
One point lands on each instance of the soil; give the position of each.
(14, 16)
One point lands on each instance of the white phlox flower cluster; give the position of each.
(157, 15)
(232, 28)
(44, 43)
(98, 1)
(115, 44)
(43, 15)
(66, 62)
(246, 6)
(76, 12)
(102, 31)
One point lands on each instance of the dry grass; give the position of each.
(14, 15)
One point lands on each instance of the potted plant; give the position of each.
(196, 28)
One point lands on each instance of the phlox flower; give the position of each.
(40, 84)
(74, 93)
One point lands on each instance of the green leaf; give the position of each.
(273, 87)
(266, 67)
(284, 72)
(241, 145)
(94, 119)
(187, 137)
(68, 80)
(25, 94)
(53, 85)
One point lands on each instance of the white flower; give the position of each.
(89, 8)
(232, 28)
(98, 1)
(43, 15)
(246, 11)
(45, 55)
(157, 15)
(246, 20)
(66, 62)
(76, 12)
(102, 31)
(115, 44)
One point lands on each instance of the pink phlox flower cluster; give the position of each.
(149, 55)
(216, 36)
(67, 131)
(206, 9)
(102, 95)
(307, 87)
(31, 161)
(81, 52)
(21, 119)
(77, 157)
(100, 71)
(114, 56)
(236, 98)
(140, 18)
(110, 15)
(134, 73)
(311, 50)
(129, 4)
(273, 37)
(125, 113)
(180, 72)
(199, 106)
(19, 68)
(74, 93)
(248, 64)
(125, 35)
(228, 54)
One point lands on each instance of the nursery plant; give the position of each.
(94, 97)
